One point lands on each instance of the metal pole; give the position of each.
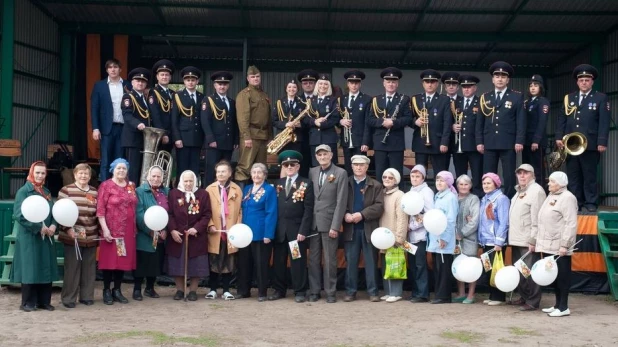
(244, 56)
(64, 121)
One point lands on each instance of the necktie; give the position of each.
(351, 101)
(224, 211)
(192, 97)
(288, 186)
(428, 99)
(581, 98)
(388, 100)
(498, 98)
(320, 101)
(467, 104)
(227, 104)
(169, 93)
(321, 179)
(291, 104)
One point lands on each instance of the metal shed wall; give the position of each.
(609, 183)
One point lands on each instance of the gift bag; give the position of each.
(395, 260)
(495, 267)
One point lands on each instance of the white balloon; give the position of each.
(65, 212)
(470, 269)
(435, 221)
(382, 238)
(412, 203)
(35, 209)
(507, 278)
(544, 271)
(156, 218)
(456, 263)
(240, 235)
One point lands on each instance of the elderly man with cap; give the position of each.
(537, 111)
(353, 106)
(386, 119)
(365, 206)
(586, 111)
(465, 137)
(187, 130)
(523, 224)
(295, 196)
(219, 125)
(160, 100)
(501, 128)
(254, 124)
(136, 115)
(432, 124)
(330, 186)
(323, 117)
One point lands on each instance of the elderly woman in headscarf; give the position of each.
(396, 221)
(189, 215)
(34, 261)
(493, 228)
(466, 231)
(557, 229)
(116, 212)
(443, 245)
(150, 247)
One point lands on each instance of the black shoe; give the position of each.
(314, 297)
(87, 302)
(331, 299)
(69, 305)
(27, 308)
(416, 300)
(243, 296)
(47, 307)
(440, 301)
(107, 297)
(192, 296)
(117, 296)
(276, 296)
(137, 295)
(179, 295)
(591, 208)
(299, 299)
(261, 298)
(151, 293)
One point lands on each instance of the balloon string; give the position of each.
(78, 253)
(571, 249)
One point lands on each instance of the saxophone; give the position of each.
(287, 135)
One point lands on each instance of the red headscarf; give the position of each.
(38, 187)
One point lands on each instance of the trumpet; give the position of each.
(347, 131)
(458, 119)
(423, 115)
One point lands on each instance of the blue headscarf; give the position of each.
(113, 165)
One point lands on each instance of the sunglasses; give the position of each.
(289, 164)
(388, 178)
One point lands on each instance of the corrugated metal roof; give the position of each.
(562, 23)
(472, 4)
(372, 21)
(461, 23)
(572, 5)
(103, 14)
(201, 17)
(372, 4)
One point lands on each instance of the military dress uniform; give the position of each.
(537, 112)
(591, 117)
(187, 126)
(218, 116)
(438, 108)
(325, 133)
(469, 112)
(254, 123)
(501, 126)
(286, 110)
(356, 107)
(160, 102)
(306, 75)
(135, 110)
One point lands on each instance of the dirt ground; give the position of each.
(165, 322)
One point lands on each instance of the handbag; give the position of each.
(495, 267)
(395, 267)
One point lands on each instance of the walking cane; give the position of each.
(186, 260)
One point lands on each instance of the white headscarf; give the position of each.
(188, 194)
(560, 178)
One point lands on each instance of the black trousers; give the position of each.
(475, 160)
(308, 156)
(333, 148)
(347, 158)
(582, 172)
(213, 156)
(508, 158)
(385, 160)
(298, 268)
(135, 157)
(536, 160)
(443, 277)
(37, 294)
(562, 284)
(187, 158)
(255, 257)
(439, 162)
(213, 281)
(495, 294)
(527, 288)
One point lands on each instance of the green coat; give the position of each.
(145, 199)
(34, 260)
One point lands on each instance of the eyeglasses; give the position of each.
(388, 177)
(289, 164)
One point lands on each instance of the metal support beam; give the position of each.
(64, 121)
(244, 56)
(6, 80)
(417, 24)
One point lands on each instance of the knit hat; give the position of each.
(395, 174)
(560, 178)
(494, 178)
(420, 169)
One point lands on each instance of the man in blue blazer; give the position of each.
(106, 115)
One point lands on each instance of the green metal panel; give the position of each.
(65, 91)
(6, 223)
(6, 80)
(608, 240)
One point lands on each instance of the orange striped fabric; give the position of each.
(93, 74)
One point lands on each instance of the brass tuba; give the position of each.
(152, 136)
(574, 144)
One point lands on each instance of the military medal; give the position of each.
(327, 109)
(508, 104)
(435, 112)
(590, 106)
(594, 106)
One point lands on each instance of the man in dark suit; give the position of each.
(160, 99)
(501, 129)
(586, 111)
(307, 80)
(381, 119)
(330, 185)
(354, 105)
(295, 202)
(431, 110)
(106, 115)
(468, 111)
(187, 130)
(136, 115)
(219, 125)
